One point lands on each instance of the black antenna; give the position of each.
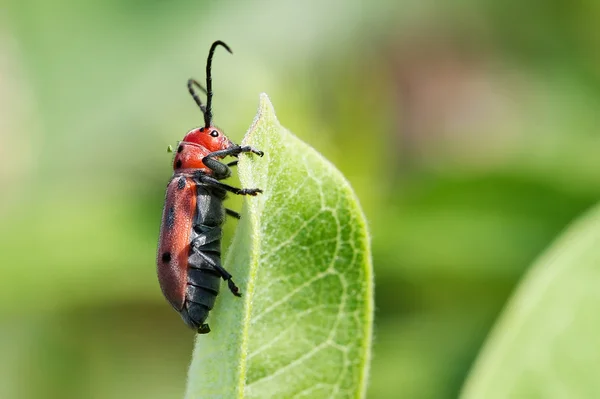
(190, 84)
(208, 110)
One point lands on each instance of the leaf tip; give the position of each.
(264, 114)
(265, 103)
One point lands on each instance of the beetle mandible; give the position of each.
(189, 246)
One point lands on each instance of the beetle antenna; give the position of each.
(209, 94)
(190, 85)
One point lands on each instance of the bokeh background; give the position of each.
(469, 130)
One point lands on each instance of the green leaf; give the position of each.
(302, 259)
(546, 344)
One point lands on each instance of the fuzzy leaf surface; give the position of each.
(301, 257)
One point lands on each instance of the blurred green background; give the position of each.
(469, 131)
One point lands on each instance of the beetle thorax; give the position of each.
(197, 144)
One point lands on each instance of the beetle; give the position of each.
(189, 246)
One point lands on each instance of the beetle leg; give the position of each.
(233, 163)
(211, 181)
(204, 329)
(233, 213)
(235, 151)
(225, 275)
(228, 277)
(221, 170)
(253, 150)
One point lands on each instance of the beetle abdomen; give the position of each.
(209, 207)
(201, 293)
(203, 279)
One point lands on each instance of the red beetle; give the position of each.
(189, 247)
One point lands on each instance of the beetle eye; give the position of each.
(214, 133)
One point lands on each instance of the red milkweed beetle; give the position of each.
(189, 247)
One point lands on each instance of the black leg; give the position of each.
(233, 288)
(230, 164)
(221, 170)
(203, 329)
(224, 273)
(228, 277)
(239, 191)
(233, 213)
(234, 151)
